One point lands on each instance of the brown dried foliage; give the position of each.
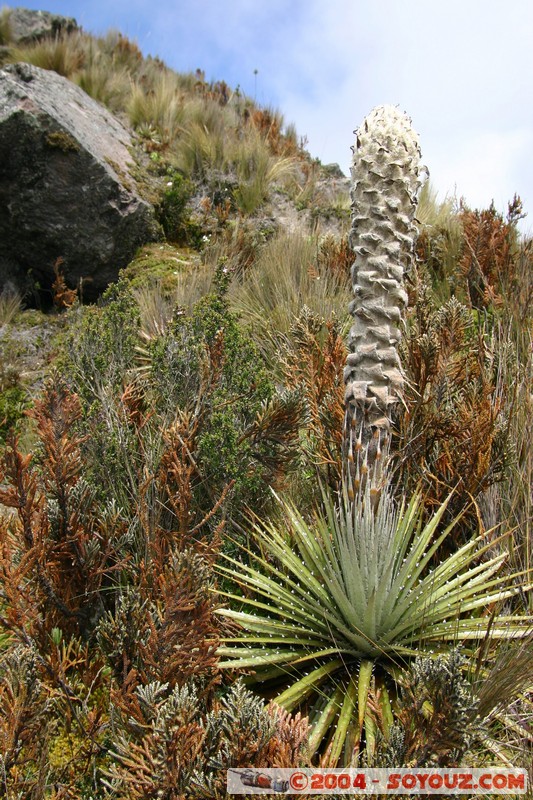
(166, 631)
(125, 52)
(313, 363)
(289, 743)
(173, 632)
(55, 558)
(158, 629)
(177, 475)
(269, 125)
(63, 297)
(488, 262)
(217, 91)
(22, 712)
(180, 749)
(52, 718)
(451, 431)
(336, 256)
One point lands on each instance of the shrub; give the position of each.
(177, 225)
(58, 556)
(23, 721)
(208, 367)
(201, 376)
(313, 359)
(436, 714)
(13, 403)
(488, 261)
(452, 430)
(99, 347)
(170, 745)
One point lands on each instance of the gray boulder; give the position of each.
(66, 189)
(27, 26)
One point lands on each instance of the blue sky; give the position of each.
(462, 69)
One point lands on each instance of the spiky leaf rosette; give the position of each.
(328, 604)
(386, 176)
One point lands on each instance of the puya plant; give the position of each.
(386, 177)
(334, 604)
(332, 609)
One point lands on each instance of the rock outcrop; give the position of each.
(66, 189)
(27, 26)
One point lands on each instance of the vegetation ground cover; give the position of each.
(168, 526)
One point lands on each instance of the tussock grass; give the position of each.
(285, 278)
(64, 54)
(161, 108)
(258, 170)
(158, 304)
(5, 27)
(441, 239)
(213, 138)
(10, 305)
(112, 88)
(516, 492)
(200, 150)
(511, 501)
(122, 53)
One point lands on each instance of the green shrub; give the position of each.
(207, 365)
(97, 362)
(13, 402)
(99, 347)
(202, 373)
(176, 223)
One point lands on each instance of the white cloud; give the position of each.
(486, 166)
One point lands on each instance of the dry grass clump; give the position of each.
(64, 54)
(158, 112)
(5, 28)
(10, 305)
(111, 88)
(440, 239)
(287, 277)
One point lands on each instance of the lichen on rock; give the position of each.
(66, 186)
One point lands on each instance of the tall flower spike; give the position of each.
(386, 178)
